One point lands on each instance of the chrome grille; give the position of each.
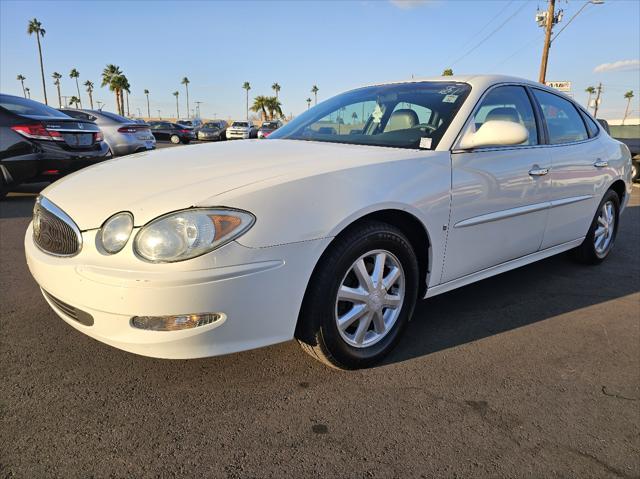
(54, 232)
(68, 310)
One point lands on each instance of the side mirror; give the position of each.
(495, 133)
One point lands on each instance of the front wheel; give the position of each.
(360, 297)
(601, 236)
(175, 139)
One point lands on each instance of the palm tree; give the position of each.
(74, 100)
(89, 86)
(146, 92)
(28, 90)
(590, 90)
(21, 79)
(274, 107)
(56, 81)
(315, 91)
(308, 103)
(36, 27)
(276, 88)
(185, 81)
(260, 105)
(354, 117)
(176, 93)
(628, 96)
(126, 87)
(447, 73)
(76, 74)
(110, 78)
(247, 86)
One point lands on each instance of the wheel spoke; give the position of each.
(609, 213)
(602, 221)
(353, 295)
(363, 326)
(599, 232)
(600, 241)
(378, 322)
(392, 301)
(391, 278)
(378, 268)
(360, 270)
(354, 313)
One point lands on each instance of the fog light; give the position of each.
(174, 323)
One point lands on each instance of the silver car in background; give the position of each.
(124, 136)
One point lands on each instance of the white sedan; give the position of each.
(332, 229)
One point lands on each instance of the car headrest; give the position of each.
(401, 120)
(503, 114)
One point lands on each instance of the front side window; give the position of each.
(400, 115)
(507, 103)
(564, 123)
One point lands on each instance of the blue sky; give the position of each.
(334, 44)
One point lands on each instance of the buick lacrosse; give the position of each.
(332, 229)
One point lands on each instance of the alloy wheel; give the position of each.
(370, 298)
(605, 231)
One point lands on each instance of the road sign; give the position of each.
(559, 85)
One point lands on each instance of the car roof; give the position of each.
(475, 80)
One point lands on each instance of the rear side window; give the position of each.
(591, 125)
(25, 107)
(564, 123)
(507, 103)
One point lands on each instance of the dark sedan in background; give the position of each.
(39, 143)
(173, 132)
(213, 131)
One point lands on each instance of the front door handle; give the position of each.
(536, 171)
(601, 164)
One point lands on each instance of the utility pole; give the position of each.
(550, 18)
(595, 108)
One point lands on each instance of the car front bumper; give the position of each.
(233, 135)
(257, 291)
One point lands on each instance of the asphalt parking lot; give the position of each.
(534, 373)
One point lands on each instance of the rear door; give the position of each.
(577, 169)
(499, 194)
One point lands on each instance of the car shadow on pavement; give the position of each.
(527, 295)
(19, 203)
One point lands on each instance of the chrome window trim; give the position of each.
(455, 148)
(52, 208)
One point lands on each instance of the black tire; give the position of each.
(587, 253)
(4, 187)
(175, 139)
(317, 330)
(186, 141)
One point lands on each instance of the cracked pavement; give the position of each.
(534, 373)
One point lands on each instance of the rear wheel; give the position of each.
(175, 139)
(635, 170)
(360, 297)
(602, 234)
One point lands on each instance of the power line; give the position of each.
(493, 19)
(526, 45)
(493, 32)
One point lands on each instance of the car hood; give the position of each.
(154, 183)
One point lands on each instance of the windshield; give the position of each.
(112, 116)
(30, 108)
(406, 115)
(242, 124)
(271, 125)
(213, 126)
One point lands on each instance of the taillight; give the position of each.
(127, 129)
(98, 136)
(185, 131)
(37, 132)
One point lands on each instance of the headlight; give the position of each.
(190, 233)
(115, 232)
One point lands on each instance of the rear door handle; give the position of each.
(601, 164)
(535, 171)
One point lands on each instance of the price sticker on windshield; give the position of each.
(450, 99)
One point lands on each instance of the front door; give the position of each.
(499, 201)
